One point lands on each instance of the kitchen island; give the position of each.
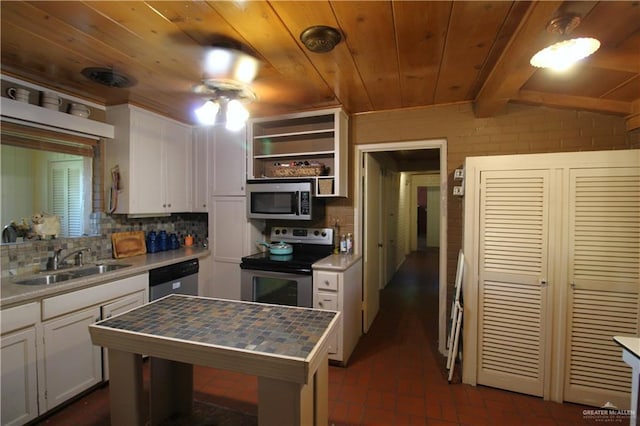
(286, 347)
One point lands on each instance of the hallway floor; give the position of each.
(395, 376)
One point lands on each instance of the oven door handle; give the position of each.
(296, 203)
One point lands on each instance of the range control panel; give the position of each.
(323, 236)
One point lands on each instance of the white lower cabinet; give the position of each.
(18, 362)
(341, 291)
(72, 362)
(47, 356)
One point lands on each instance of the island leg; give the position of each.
(125, 388)
(284, 403)
(171, 389)
(321, 393)
(289, 403)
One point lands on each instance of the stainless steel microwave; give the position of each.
(288, 199)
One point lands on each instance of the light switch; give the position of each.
(458, 190)
(458, 174)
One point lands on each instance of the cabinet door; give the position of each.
(147, 192)
(329, 301)
(229, 162)
(604, 278)
(229, 231)
(229, 228)
(19, 377)
(73, 363)
(513, 256)
(202, 147)
(177, 170)
(116, 308)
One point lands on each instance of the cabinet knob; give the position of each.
(326, 282)
(169, 205)
(164, 205)
(320, 304)
(204, 205)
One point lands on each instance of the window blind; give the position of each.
(46, 140)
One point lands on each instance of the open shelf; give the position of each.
(310, 145)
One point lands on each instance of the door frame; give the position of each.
(440, 144)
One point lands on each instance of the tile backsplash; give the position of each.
(31, 256)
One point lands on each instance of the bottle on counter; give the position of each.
(349, 243)
(163, 243)
(343, 244)
(152, 242)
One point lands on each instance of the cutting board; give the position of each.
(127, 244)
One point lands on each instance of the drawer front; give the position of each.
(327, 301)
(327, 281)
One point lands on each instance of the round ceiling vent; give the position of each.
(320, 38)
(108, 77)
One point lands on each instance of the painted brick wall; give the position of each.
(520, 129)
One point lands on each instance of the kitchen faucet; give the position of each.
(54, 262)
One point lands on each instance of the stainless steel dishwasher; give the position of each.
(179, 278)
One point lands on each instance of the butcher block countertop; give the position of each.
(12, 294)
(336, 262)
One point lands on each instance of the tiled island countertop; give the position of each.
(286, 347)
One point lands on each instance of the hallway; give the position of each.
(394, 377)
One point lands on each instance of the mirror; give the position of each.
(37, 180)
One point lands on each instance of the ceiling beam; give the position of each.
(573, 102)
(617, 60)
(632, 121)
(513, 69)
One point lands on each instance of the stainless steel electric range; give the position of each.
(285, 279)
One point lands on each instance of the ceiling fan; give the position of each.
(228, 74)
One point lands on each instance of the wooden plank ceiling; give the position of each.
(394, 54)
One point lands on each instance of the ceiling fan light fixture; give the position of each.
(236, 115)
(563, 54)
(320, 38)
(207, 114)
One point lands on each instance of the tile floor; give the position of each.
(394, 377)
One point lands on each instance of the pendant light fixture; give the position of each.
(566, 52)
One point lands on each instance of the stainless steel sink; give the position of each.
(97, 269)
(52, 278)
(46, 279)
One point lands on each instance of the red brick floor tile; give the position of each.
(355, 413)
(374, 416)
(411, 405)
(381, 399)
(353, 394)
(448, 412)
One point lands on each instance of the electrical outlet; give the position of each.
(458, 174)
(458, 190)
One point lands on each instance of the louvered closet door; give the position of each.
(604, 259)
(514, 228)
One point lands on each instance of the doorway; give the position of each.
(388, 248)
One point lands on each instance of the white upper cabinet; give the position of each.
(153, 156)
(202, 148)
(229, 171)
(304, 145)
